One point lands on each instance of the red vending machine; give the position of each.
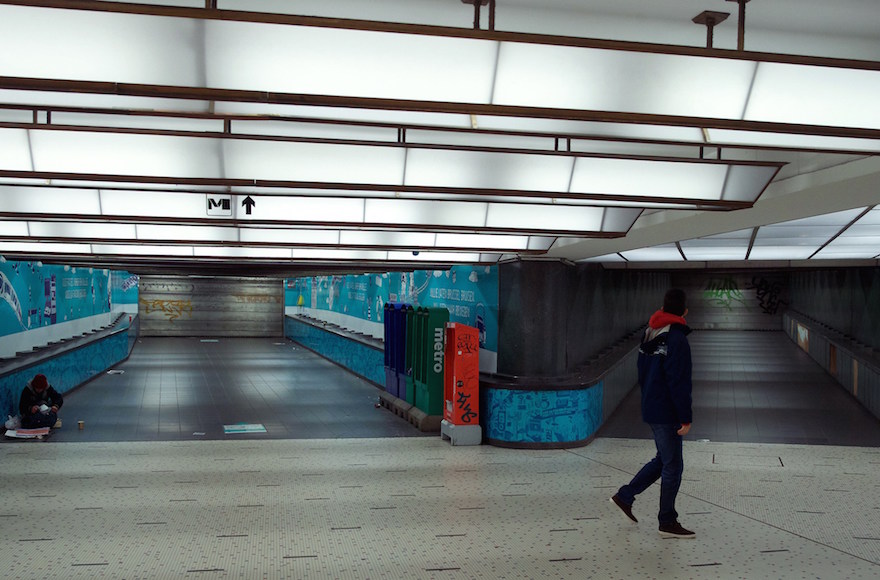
(461, 386)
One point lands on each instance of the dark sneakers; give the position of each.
(626, 509)
(674, 530)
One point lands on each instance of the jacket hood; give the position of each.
(660, 319)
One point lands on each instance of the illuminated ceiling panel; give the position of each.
(728, 246)
(567, 77)
(562, 79)
(547, 136)
(663, 253)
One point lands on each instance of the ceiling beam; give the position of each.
(603, 200)
(430, 30)
(374, 103)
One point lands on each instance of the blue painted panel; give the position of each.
(65, 371)
(357, 357)
(542, 416)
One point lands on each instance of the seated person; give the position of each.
(37, 393)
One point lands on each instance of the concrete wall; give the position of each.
(846, 299)
(553, 317)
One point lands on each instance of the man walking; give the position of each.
(665, 378)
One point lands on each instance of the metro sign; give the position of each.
(219, 204)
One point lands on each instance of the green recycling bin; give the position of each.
(430, 330)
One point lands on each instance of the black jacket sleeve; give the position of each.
(53, 397)
(678, 375)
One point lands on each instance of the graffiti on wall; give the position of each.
(723, 292)
(172, 309)
(768, 293)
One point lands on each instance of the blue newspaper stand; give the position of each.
(395, 347)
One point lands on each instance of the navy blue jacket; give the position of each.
(665, 375)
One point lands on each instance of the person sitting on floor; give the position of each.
(39, 404)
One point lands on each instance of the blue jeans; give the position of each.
(667, 466)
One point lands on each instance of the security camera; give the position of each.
(415, 252)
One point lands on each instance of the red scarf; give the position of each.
(660, 319)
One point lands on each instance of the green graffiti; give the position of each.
(723, 292)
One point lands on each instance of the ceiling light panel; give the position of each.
(541, 242)
(781, 252)
(822, 95)
(478, 139)
(499, 242)
(747, 182)
(43, 248)
(839, 218)
(227, 252)
(870, 218)
(137, 122)
(89, 231)
(151, 204)
(612, 80)
(714, 253)
(387, 239)
(119, 154)
(143, 250)
(174, 232)
(15, 150)
(723, 137)
(41, 200)
(795, 235)
(313, 162)
(290, 236)
(663, 253)
(605, 258)
(348, 255)
(305, 209)
(544, 217)
(649, 178)
(82, 45)
(472, 169)
(715, 248)
(15, 116)
(563, 127)
(315, 130)
(630, 148)
(415, 212)
(326, 61)
(452, 257)
(847, 252)
(10, 228)
(619, 219)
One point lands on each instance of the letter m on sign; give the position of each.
(219, 205)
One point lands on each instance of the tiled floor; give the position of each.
(141, 493)
(420, 508)
(188, 388)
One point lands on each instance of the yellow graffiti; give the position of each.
(173, 309)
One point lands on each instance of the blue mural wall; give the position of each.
(360, 358)
(65, 371)
(35, 295)
(549, 417)
(469, 293)
(124, 288)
